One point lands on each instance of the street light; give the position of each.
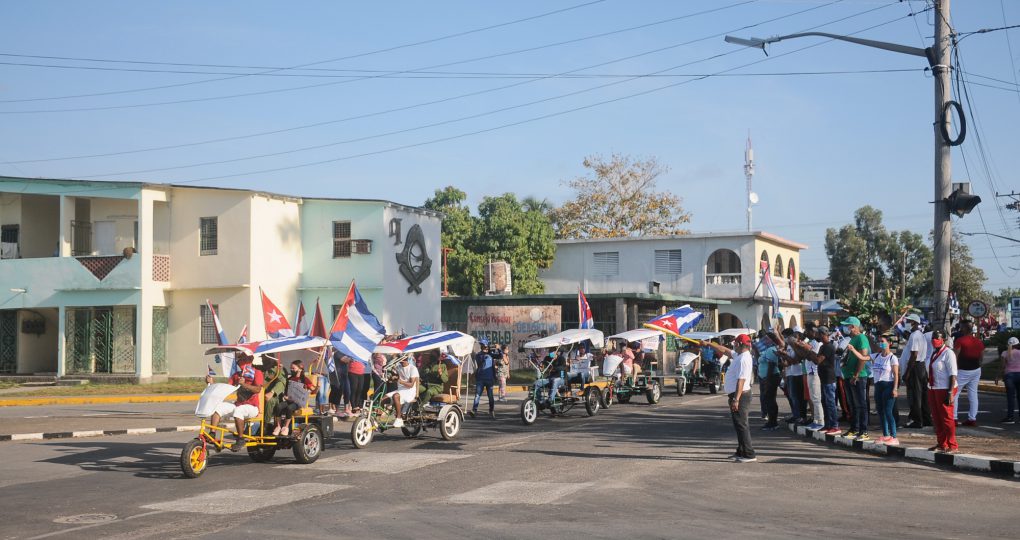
(941, 64)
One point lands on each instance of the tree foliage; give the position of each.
(618, 198)
(504, 229)
(899, 260)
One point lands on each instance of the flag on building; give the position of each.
(276, 324)
(356, 331)
(676, 322)
(766, 279)
(221, 334)
(584, 312)
(301, 322)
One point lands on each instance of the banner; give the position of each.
(513, 326)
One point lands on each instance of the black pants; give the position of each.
(744, 446)
(769, 397)
(917, 395)
(285, 409)
(359, 388)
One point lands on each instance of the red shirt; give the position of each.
(971, 349)
(356, 367)
(251, 376)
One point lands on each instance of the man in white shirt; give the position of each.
(407, 388)
(814, 383)
(915, 376)
(738, 387)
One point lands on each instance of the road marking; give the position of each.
(140, 431)
(517, 492)
(231, 501)
(26, 436)
(386, 463)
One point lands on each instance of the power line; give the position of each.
(338, 59)
(441, 100)
(367, 77)
(429, 125)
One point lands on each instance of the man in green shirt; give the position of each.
(855, 373)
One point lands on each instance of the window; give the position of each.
(9, 241)
(341, 239)
(791, 271)
(668, 261)
(208, 331)
(777, 270)
(723, 261)
(209, 232)
(336, 313)
(606, 263)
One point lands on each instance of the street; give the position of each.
(633, 470)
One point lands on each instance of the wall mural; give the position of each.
(415, 264)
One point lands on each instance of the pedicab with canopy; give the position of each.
(306, 439)
(579, 385)
(647, 383)
(442, 411)
(693, 371)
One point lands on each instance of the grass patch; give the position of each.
(173, 386)
(521, 376)
(7, 384)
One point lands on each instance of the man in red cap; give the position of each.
(738, 388)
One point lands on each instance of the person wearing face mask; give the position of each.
(969, 352)
(914, 374)
(290, 402)
(942, 389)
(886, 369)
(738, 387)
(856, 372)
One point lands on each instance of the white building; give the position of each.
(723, 266)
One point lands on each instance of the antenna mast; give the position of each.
(752, 197)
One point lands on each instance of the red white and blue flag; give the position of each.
(766, 279)
(586, 321)
(276, 324)
(243, 338)
(678, 321)
(301, 323)
(356, 331)
(221, 334)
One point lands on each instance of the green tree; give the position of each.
(464, 266)
(618, 198)
(1003, 296)
(848, 254)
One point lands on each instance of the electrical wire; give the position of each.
(368, 77)
(433, 124)
(446, 99)
(337, 59)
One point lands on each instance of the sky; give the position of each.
(396, 99)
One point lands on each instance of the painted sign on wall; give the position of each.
(513, 326)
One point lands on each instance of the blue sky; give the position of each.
(824, 144)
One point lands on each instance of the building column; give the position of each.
(61, 340)
(621, 315)
(632, 318)
(143, 309)
(64, 227)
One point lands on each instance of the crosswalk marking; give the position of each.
(386, 463)
(232, 501)
(517, 492)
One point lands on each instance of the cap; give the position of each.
(742, 339)
(1013, 342)
(822, 329)
(798, 330)
(852, 321)
(913, 317)
(483, 342)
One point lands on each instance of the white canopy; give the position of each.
(567, 337)
(272, 346)
(737, 332)
(460, 344)
(702, 335)
(640, 334)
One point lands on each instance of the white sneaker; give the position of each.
(399, 422)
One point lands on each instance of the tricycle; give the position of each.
(560, 388)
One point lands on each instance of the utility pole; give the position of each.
(752, 198)
(943, 168)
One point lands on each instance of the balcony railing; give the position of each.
(722, 279)
(161, 268)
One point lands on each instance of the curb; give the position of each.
(985, 387)
(963, 462)
(94, 400)
(93, 433)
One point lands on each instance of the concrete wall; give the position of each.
(40, 226)
(123, 213)
(185, 351)
(276, 257)
(10, 208)
(38, 353)
(408, 310)
(231, 265)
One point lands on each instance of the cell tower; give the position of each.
(752, 197)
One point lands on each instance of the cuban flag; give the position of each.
(678, 321)
(221, 334)
(276, 324)
(318, 326)
(766, 278)
(586, 321)
(243, 338)
(356, 331)
(301, 322)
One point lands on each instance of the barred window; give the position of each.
(209, 240)
(208, 327)
(668, 261)
(341, 239)
(336, 313)
(606, 263)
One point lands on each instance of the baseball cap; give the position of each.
(743, 339)
(822, 329)
(913, 317)
(852, 321)
(483, 342)
(1013, 342)
(798, 330)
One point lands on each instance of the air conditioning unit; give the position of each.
(497, 278)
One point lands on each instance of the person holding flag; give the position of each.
(354, 334)
(586, 321)
(738, 388)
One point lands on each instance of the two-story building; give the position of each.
(110, 279)
(721, 266)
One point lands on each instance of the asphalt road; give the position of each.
(635, 471)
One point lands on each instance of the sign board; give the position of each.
(513, 326)
(977, 309)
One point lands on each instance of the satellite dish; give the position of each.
(753, 197)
